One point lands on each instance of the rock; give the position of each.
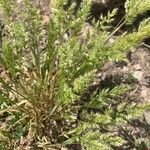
(137, 67)
(147, 117)
(138, 75)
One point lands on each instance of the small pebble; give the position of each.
(138, 75)
(137, 67)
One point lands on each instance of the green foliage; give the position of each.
(104, 22)
(41, 89)
(134, 8)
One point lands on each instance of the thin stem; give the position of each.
(116, 29)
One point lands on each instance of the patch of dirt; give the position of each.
(140, 68)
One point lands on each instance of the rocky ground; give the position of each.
(138, 66)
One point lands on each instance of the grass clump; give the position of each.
(41, 88)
